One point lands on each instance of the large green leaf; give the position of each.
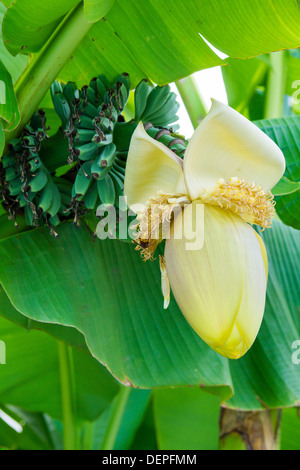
(96, 9)
(286, 134)
(145, 438)
(9, 111)
(28, 24)
(2, 138)
(246, 29)
(156, 39)
(241, 78)
(186, 419)
(290, 429)
(266, 376)
(69, 335)
(285, 186)
(132, 418)
(105, 290)
(37, 433)
(145, 39)
(30, 379)
(14, 65)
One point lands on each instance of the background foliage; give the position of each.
(92, 309)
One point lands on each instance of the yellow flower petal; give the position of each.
(220, 288)
(151, 167)
(226, 145)
(263, 252)
(252, 306)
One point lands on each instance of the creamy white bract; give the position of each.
(230, 166)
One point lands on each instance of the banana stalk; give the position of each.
(46, 65)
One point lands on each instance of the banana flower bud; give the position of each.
(229, 169)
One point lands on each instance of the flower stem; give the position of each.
(115, 419)
(275, 85)
(87, 436)
(67, 395)
(46, 65)
(192, 99)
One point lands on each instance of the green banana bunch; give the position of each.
(156, 105)
(89, 116)
(25, 182)
(98, 142)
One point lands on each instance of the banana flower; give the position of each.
(229, 168)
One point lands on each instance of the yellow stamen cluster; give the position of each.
(154, 222)
(245, 199)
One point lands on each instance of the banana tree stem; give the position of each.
(115, 419)
(67, 395)
(87, 436)
(46, 65)
(275, 85)
(250, 430)
(192, 99)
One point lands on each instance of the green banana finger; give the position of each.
(98, 172)
(11, 173)
(47, 197)
(140, 98)
(105, 125)
(107, 156)
(56, 203)
(170, 105)
(101, 89)
(91, 197)
(60, 102)
(120, 162)
(156, 100)
(15, 187)
(14, 145)
(106, 190)
(71, 92)
(119, 188)
(8, 161)
(125, 79)
(84, 135)
(28, 215)
(103, 164)
(102, 143)
(83, 179)
(123, 96)
(88, 151)
(88, 109)
(85, 122)
(54, 221)
(119, 169)
(34, 164)
(91, 95)
(23, 200)
(38, 182)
